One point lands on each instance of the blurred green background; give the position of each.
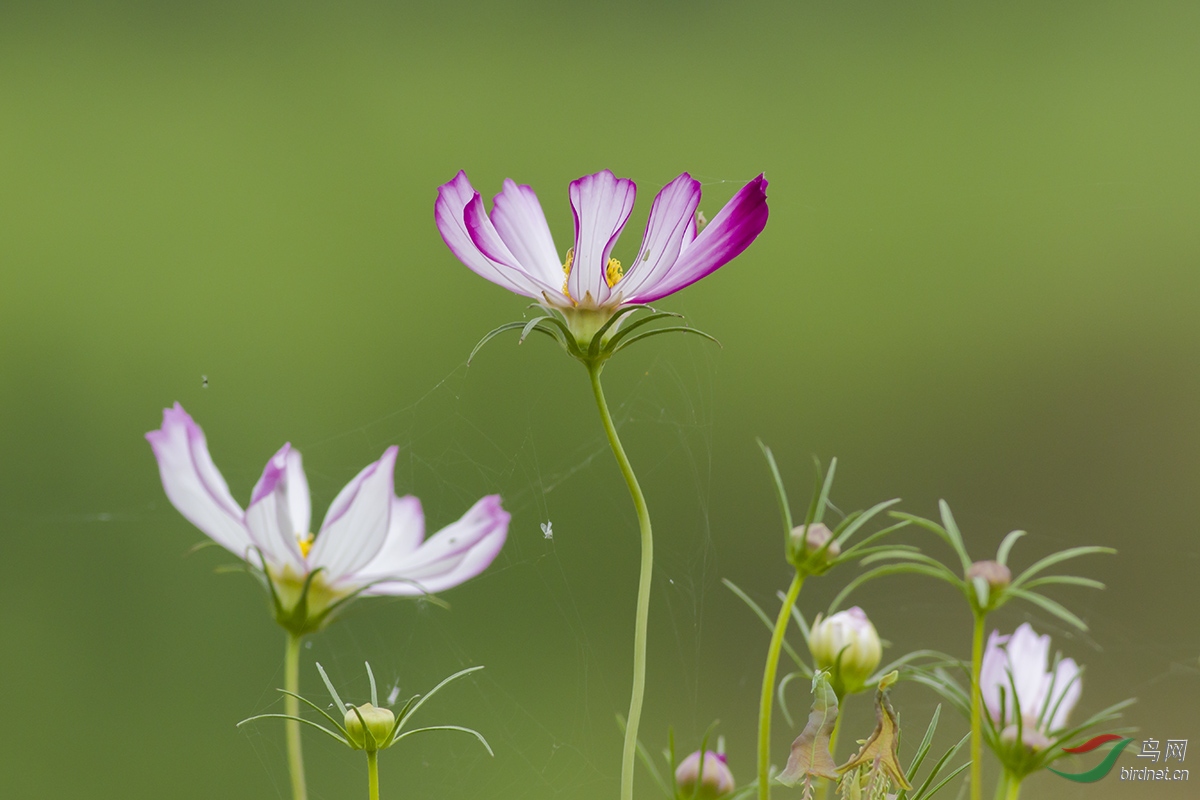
(979, 282)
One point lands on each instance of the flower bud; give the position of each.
(996, 574)
(379, 725)
(716, 781)
(806, 541)
(846, 645)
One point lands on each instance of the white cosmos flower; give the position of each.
(371, 541)
(1017, 665)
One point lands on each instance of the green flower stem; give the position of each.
(629, 753)
(373, 774)
(768, 688)
(976, 709)
(1009, 787)
(291, 707)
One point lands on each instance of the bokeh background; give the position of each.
(979, 282)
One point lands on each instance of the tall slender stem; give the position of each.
(1013, 790)
(629, 752)
(291, 707)
(976, 709)
(373, 774)
(768, 688)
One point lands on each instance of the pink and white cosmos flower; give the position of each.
(512, 245)
(371, 541)
(1018, 664)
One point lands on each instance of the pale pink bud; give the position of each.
(716, 781)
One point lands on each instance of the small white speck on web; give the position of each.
(393, 694)
(203, 381)
(548, 529)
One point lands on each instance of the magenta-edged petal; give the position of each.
(279, 510)
(672, 218)
(357, 522)
(487, 239)
(452, 200)
(601, 204)
(287, 467)
(194, 485)
(519, 220)
(455, 554)
(729, 233)
(406, 531)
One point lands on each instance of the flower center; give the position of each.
(305, 540)
(613, 272)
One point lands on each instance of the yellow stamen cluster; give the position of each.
(305, 540)
(613, 272)
(567, 270)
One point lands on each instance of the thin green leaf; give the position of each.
(458, 728)
(337, 724)
(922, 749)
(955, 534)
(374, 691)
(321, 728)
(930, 525)
(890, 569)
(1069, 580)
(799, 620)
(492, 334)
(1049, 605)
(907, 658)
(770, 623)
(1055, 558)
(918, 557)
(401, 716)
(529, 326)
(783, 706)
(594, 349)
(780, 493)
(670, 329)
(857, 547)
(823, 501)
(947, 688)
(982, 591)
(871, 555)
(435, 689)
(941, 784)
(1007, 545)
(337, 701)
(937, 768)
(864, 518)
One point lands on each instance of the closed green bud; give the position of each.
(847, 646)
(379, 724)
